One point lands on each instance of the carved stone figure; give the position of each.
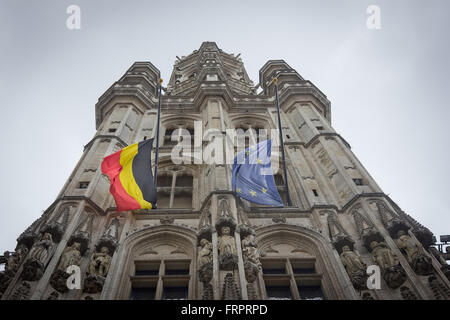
(356, 269)
(382, 255)
(42, 249)
(224, 208)
(392, 271)
(100, 262)
(226, 243)
(249, 250)
(12, 262)
(351, 260)
(205, 253)
(21, 252)
(33, 270)
(227, 250)
(70, 256)
(98, 269)
(415, 254)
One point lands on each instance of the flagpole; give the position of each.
(275, 80)
(157, 138)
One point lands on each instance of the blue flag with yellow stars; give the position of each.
(252, 177)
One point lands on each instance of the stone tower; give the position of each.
(203, 242)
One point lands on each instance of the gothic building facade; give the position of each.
(204, 242)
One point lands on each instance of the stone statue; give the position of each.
(43, 248)
(250, 250)
(392, 272)
(351, 261)
(226, 243)
(408, 245)
(224, 208)
(356, 269)
(227, 250)
(205, 253)
(382, 255)
(100, 263)
(21, 252)
(70, 256)
(415, 253)
(12, 261)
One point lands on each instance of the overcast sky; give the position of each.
(388, 88)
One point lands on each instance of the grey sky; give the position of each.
(388, 87)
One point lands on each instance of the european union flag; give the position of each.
(252, 177)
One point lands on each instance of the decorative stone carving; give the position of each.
(407, 294)
(356, 269)
(22, 292)
(83, 233)
(227, 249)
(367, 296)
(53, 296)
(250, 251)
(110, 237)
(58, 224)
(205, 253)
(43, 249)
(11, 262)
(40, 254)
(70, 256)
(167, 220)
(279, 219)
(392, 271)
(100, 262)
(415, 254)
(424, 236)
(244, 230)
(230, 290)
(338, 234)
(5, 280)
(366, 229)
(98, 270)
(33, 270)
(224, 208)
(440, 291)
(391, 221)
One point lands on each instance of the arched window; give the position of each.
(298, 264)
(158, 264)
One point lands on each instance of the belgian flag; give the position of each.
(130, 173)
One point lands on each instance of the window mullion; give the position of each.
(159, 286)
(172, 189)
(293, 283)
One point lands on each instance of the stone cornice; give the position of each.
(123, 90)
(96, 207)
(105, 136)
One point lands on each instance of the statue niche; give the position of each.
(226, 243)
(391, 270)
(70, 256)
(227, 249)
(414, 253)
(40, 254)
(356, 269)
(205, 268)
(98, 270)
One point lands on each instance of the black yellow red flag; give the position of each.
(130, 173)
